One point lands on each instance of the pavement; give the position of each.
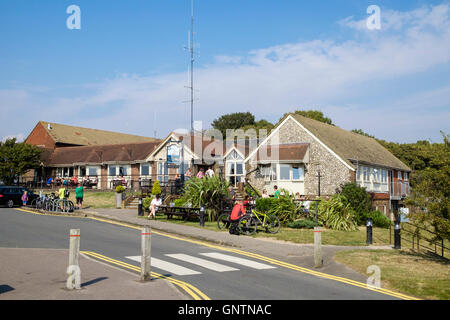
(39, 274)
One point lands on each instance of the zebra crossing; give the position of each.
(185, 263)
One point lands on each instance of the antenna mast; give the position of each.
(191, 50)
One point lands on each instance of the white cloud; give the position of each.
(20, 137)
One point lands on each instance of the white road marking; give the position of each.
(202, 262)
(167, 266)
(245, 262)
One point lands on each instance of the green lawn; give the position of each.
(416, 274)
(329, 237)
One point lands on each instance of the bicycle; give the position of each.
(223, 222)
(248, 224)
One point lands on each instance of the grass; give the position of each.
(417, 274)
(329, 237)
(93, 199)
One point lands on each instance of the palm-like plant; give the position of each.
(337, 214)
(207, 192)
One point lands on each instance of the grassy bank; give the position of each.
(416, 274)
(329, 237)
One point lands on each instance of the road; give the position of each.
(215, 271)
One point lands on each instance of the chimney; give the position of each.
(49, 126)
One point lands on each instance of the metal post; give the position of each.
(146, 253)
(202, 216)
(74, 280)
(397, 238)
(140, 212)
(318, 261)
(369, 231)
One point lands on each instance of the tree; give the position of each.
(16, 159)
(314, 114)
(233, 121)
(156, 189)
(260, 125)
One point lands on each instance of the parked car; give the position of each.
(12, 195)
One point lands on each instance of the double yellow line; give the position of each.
(190, 289)
(263, 258)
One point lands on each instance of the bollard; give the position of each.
(74, 279)
(318, 262)
(202, 216)
(140, 212)
(397, 238)
(146, 253)
(369, 231)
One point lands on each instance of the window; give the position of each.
(285, 172)
(297, 173)
(112, 170)
(376, 175)
(145, 170)
(268, 172)
(399, 175)
(384, 176)
(366, 174)
(406, 176)
(82, 171)
(358, 173)
(122, 171)
(92, 171)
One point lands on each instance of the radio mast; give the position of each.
(191, 51)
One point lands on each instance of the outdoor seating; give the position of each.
(184, 212)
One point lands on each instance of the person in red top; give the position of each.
(237, 212)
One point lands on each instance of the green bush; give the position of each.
(337, 214)
(146, 203)
(207, 192)
(302, 224)
(265, 204)
(120, 189)
(284, 207)
(180, 202)
(359, 200)
(156, 189)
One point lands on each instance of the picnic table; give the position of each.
(184, 212)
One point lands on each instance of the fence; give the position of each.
(419, 237)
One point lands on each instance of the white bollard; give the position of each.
(74, 279)
(318, 262)
(146, 253)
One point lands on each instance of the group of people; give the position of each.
(276, 193)
(79, 195)
(86, 181)
(201, 173)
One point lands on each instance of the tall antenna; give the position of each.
(191, 50)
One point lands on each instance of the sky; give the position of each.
(126, 68)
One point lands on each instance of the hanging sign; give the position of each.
(173, 154)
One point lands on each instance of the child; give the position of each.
(25, 198)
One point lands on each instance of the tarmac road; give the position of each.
(215, 271)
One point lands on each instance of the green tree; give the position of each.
(313, 114)
(16, 159)
(156, 189)
(233, 121)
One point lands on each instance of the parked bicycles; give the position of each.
(249, 223)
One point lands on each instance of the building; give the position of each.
(308, 147)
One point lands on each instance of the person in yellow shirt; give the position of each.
(61, 193)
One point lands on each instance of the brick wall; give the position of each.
(40, 137)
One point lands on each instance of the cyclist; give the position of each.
(237, 212)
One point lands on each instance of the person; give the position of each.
(74, 180)
(265, 194)
(237, 212)
(50, 182)
(201, 173)
(277, 192)
(156, 202)
(232, 193)
(25, 198)
(61, 192)
(210, 172)
(79, 192)
(188, 174)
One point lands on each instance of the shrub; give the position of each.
(379, 219)
(156, 189)
(120, 189)
(284, 207)
(146, 203)
(180, 202)
(358, 198)
(265, 204)
(337, 214)
(207, 192)
(300, 224)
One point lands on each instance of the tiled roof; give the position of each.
(71, 135)
(116, 153)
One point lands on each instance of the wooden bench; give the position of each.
(184, 212)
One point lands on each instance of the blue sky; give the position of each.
(127, 65)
